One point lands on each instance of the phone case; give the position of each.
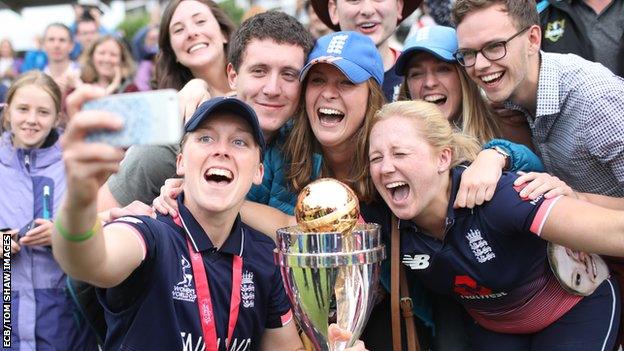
(150, 118)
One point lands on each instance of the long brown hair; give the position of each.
(169, 73)
(301, 145)
(88, 73)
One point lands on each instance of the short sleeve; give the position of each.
(509, 213)
(142, 172)
(279, 313)
(125, 294)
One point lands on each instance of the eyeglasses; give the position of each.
(494, 51)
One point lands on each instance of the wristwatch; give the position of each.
(505, 155)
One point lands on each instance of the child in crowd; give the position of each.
(33, 176)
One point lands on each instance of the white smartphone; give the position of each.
(150, 118)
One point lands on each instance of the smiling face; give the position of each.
(376, 19)
(269, 83)
(31, 115)
(336, 107)
(195, 35)
(107, 59)
(433, 80)
(219, 161)
(508, 77)
(57, 43)
(404, 167)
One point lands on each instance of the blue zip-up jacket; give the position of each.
(42, 314)
(275, 190)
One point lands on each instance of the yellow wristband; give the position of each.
(76, 238)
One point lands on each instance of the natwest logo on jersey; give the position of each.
(467, 288)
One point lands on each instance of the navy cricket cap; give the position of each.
(439, 41)
(354, 54)
(229, 105)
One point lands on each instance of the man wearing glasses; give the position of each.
(575, 108)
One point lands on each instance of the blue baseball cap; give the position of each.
(354, 54)
(231, 105)
(440, 41)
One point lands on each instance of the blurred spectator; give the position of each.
(254, 10)
(35, 58)
(440, 11)
(144, 42)
(591, 29)
(86, 33)
(147, 59)
(92, 8)
(3, 92)
(57, 44)
(421, 19)
(316, 27)
(9, 64)
(108, 63)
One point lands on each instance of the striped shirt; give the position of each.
(578, 127)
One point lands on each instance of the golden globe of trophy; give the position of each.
(330, 264)
(327, 205)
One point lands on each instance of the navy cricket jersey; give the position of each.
(491, 260)
(156, 307)
(391, 85)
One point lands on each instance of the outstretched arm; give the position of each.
(581, 226)
(265, 218)
(82, 248)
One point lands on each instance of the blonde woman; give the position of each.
(491, 259)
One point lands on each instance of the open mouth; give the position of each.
(491, 79)
(437, 99)
(329, 116)
(367, 27)
(196, 47)
(398, 190)
(219, 176)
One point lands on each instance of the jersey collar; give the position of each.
(234, 243)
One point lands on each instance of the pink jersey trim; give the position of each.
(542, 215)
(286, 318)
(137, 234)
(543, 309)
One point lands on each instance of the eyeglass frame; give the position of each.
(462, 62)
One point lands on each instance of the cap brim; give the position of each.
(322, 11)
(352, 71)
(406, 56)
(230, 105)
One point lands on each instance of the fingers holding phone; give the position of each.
(39, 235)
(88, 165)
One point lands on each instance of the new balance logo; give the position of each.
(336, 44)
(416, 261)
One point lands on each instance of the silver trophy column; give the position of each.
(330, 276)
